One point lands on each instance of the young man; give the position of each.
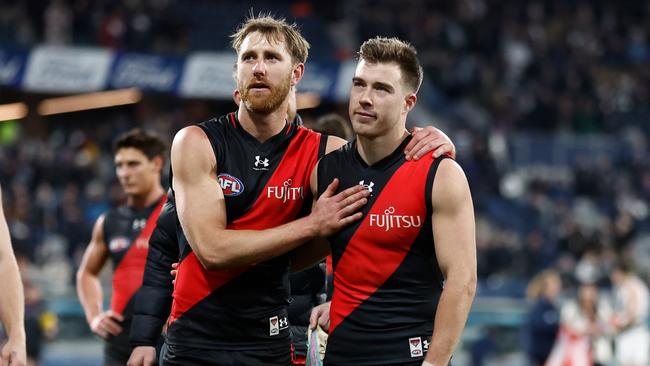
(238, 182)
(417, 231)
(122, 234)
(12, 302)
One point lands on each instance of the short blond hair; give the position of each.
(386, 50)
(276, 30)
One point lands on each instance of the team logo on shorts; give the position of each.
(231, 186)
(118, 244)
(415, 344)
(276, 324)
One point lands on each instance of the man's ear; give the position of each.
(158, 162)
(297, 73)
(409, 102)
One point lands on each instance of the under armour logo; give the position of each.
(258, 161)
(261, 164)
(367, 186)
(284, 322)
(425, 343)
(139, 224)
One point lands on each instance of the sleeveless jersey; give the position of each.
(265, 185)
(386, 278)
(126, 233)
(154, 299)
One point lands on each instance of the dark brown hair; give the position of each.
(386, 50)
(149, 143)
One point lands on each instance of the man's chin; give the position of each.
(131, 191)
(260, 106)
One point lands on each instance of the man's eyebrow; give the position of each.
(383, 85)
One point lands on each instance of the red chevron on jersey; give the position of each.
(284, 194)
(127, 277)
(194, 283)
(278, 203)
(382, 240)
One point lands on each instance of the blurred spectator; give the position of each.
(630, 318)
(584, 325)
(58, 20)
(543, 318)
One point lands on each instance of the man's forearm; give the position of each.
(90, 295)
(12, 300)
(451, 315)
(225, 249)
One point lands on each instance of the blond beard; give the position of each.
(266, 105)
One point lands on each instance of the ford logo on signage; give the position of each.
(230, 185)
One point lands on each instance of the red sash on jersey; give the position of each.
(128, 274)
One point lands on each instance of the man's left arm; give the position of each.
(455, 245)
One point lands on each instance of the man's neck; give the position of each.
(145, 200)
(263, 126)
(374, 149)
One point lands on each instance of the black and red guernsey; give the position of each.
(386, 278)
(265, 185)
(126, 233)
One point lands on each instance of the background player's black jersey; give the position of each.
(386, 279)
(126, 233)
(265, 185)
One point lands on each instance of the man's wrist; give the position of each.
(425, 363)
(311, 227)
(17, 334)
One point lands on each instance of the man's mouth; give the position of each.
(365, 114)
(258, 86)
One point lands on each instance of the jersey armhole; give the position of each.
(431, 176)
(215, 148)
(323, 145)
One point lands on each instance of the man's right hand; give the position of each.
(174, 272)
(142, 356)
(13, 352)
(335, 211)
(320, 315)
(107, 324)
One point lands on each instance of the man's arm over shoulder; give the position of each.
(202, 211)
(455, 245)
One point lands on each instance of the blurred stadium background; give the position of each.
(547, 102)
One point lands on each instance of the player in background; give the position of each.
(122, 235)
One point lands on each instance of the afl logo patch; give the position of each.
(231, 186)
(118, 244)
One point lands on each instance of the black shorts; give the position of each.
(117, 350)
(413, 363)
(171, 355)
(117, 353)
